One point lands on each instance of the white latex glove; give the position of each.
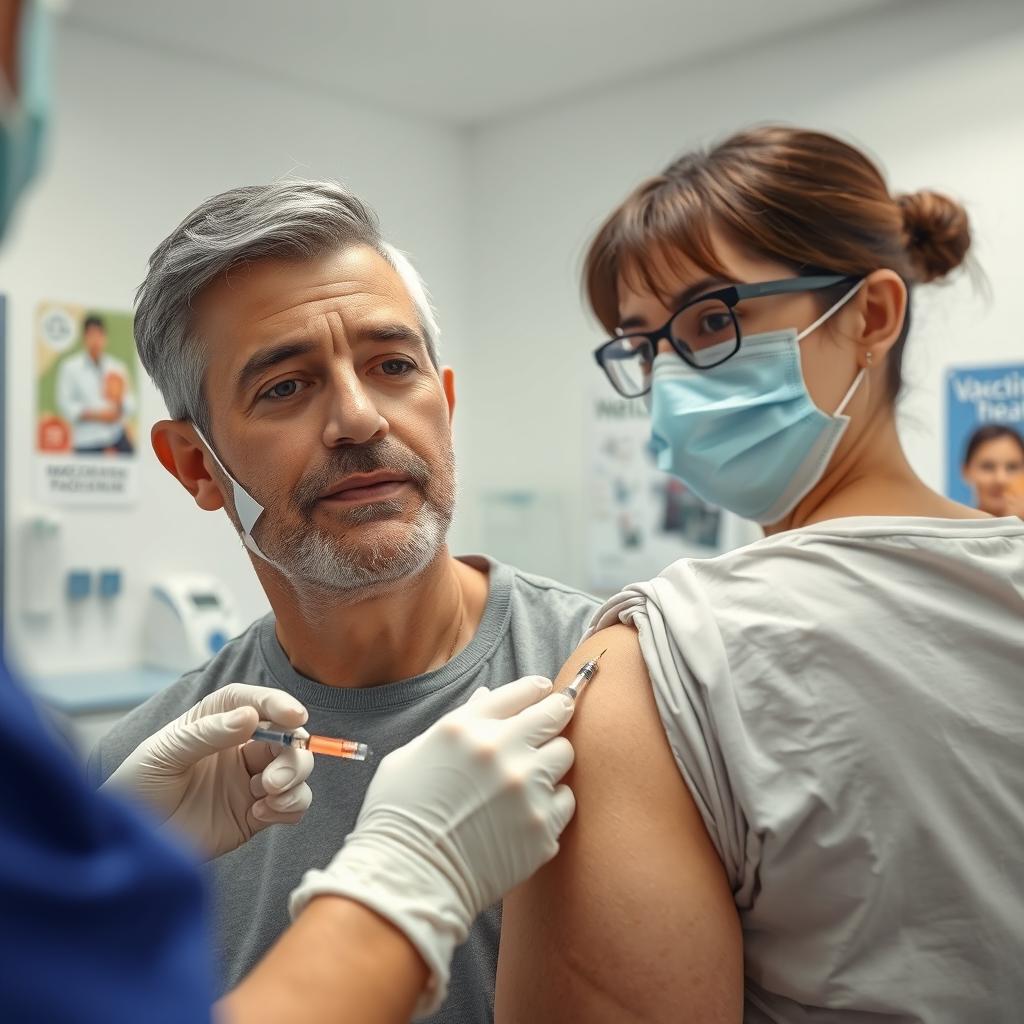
(455, 819)
(201, 777)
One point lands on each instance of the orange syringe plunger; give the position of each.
(332, 747)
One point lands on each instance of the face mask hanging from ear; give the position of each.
(745, 435)
(247, 508)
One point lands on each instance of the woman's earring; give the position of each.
(869, 356)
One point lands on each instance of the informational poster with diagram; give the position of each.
(977, 399)
(641, 520)
(87, 400)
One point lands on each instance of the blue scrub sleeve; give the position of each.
(101, 918)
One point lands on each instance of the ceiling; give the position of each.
(461, 61)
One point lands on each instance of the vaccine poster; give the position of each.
(640, 519)
(976, 397)
(86, 438)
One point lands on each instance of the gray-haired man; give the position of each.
(297, 355)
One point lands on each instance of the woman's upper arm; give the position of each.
(634, 919)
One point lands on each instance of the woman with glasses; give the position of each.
(800, 773)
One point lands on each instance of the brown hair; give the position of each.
(801, 197)
(990, 432)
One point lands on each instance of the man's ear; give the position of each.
(448, 383)
(883, 305)
(185, 457)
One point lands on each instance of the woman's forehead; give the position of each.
(1004, 446)
(663, 271)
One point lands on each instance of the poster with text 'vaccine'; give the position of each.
(978, 398)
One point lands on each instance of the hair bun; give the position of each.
(938, 233)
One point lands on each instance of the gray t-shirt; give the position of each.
(530, 626)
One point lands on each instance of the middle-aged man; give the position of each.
(94, 393)
(297, 355)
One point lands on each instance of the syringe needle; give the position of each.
(586, 672)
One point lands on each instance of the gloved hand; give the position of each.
(202, 778)
(455, 819)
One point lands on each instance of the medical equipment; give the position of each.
(42, 565)
(587, 672)
(188, 619)
(349, 749)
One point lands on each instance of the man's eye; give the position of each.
(282, 389)
(397, 367)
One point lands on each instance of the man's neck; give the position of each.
(413, 627)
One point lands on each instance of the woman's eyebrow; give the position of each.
(689, 292)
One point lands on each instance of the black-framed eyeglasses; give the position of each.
(705, 331)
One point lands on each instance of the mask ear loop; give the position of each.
(247, 507)
(832, 309)
(849, 394)
(817, 323)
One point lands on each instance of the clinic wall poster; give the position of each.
(86, 437)
(976, 396)
(640, 519)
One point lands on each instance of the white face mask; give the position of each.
(247, 507)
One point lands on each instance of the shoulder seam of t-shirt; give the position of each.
(850, 529)
(883, 527)
(543, 583)
(908, 526)
(532, 579)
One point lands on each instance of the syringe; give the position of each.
(587, 672)
(350, 749)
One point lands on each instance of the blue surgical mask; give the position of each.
(745, 435)
(23, 116)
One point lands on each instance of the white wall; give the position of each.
(497, 219)
(935, 90)
(141, 138)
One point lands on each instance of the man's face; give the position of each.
(327, 409)
(95, 340)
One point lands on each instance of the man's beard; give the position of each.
(311, 556)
